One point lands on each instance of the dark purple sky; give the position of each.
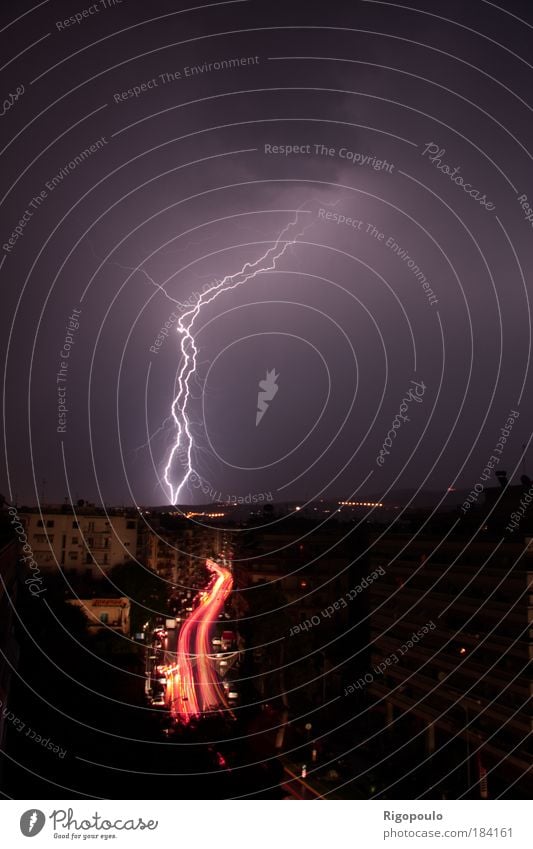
(181, 191)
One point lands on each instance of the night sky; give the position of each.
(400, 133)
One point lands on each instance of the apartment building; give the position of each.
(179, 555)
(86, 543)
(105, 613)
(451, 650)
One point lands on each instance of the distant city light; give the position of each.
(193, 515)
(360, 504)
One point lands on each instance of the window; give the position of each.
(104, 618)
(90, 527)
(74, 541)
(73, 555)
(50, 523)
(40, 523)
(130, 524)
(43, 538)
(75, 526)
(106, 560)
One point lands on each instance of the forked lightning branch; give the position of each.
(179, 467)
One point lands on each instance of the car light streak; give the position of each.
(193, 686)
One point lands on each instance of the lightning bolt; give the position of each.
(183, 445)
(33, 820)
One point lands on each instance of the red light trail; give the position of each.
(193, 687)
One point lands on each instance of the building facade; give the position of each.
(83, 543)
(178, 556)
(105, 613)
(451, 650)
